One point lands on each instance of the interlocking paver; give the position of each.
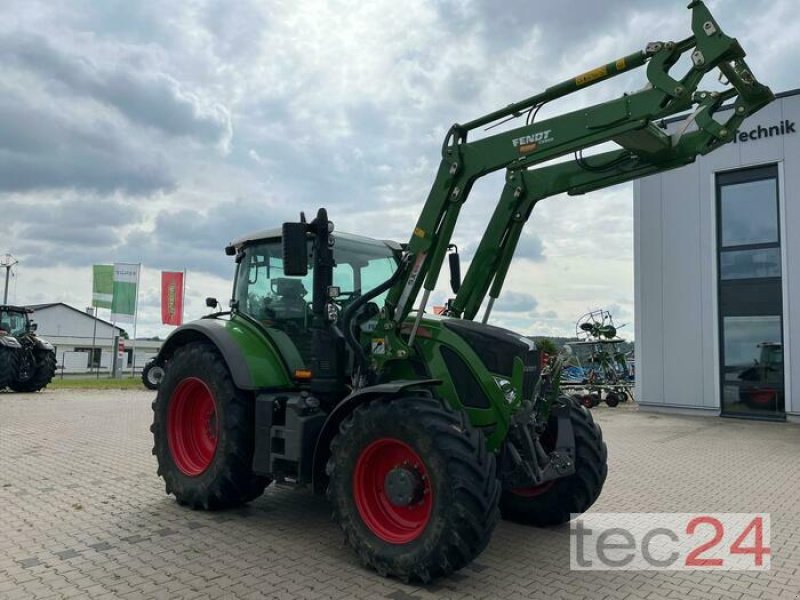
(85, 516)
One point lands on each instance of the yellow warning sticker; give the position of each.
(620, 64)
(419, 232)
(590, 76)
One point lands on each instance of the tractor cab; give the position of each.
(264, 291)
(14, 321)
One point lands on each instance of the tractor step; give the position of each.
(286, 429)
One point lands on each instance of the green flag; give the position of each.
(126, 280)
(102, 285)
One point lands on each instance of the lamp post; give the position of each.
(7, 262)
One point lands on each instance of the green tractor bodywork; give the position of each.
(324, 373)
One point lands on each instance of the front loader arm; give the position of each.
(526, 187)
(628, 121)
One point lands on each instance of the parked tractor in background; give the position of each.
(422, 429)
(152, 374)
(27, 361)
(760, 385)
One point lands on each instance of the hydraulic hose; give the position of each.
(350, 312)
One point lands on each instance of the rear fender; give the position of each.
(331, 426)
(253, 361)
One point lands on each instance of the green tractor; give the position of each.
(423, 429)
(27, 361)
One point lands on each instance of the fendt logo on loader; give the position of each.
(529, 143)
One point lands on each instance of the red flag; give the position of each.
(171, 297)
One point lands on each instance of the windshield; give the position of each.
(13, 323)
(265, 293)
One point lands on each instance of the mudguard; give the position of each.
(347, 406)
(252, 359)
(9, 342)
(43, 344)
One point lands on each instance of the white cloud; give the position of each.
(188, 126)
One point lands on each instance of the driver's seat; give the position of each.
(291, 303)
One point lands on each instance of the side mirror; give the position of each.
(295, 249)
(212, 302)
(455, 270)
(34, 326)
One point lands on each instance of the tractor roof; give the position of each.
(10, 308)
(275, 234)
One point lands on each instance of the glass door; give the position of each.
(750, 293)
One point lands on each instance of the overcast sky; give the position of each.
(156, 133)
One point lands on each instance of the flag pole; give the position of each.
(94, 337)
(183, 297)
(112, 365)
(135, 318)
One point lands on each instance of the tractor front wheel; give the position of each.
(38, 372)
(413, 487)
(203, 432)
(552, 502)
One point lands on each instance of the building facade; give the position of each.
(85, 343)
(717, 275)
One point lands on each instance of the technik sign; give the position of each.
(785, 127)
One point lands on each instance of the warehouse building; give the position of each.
(85, 343)
(717, 275)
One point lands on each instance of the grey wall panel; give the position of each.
(649, 311)
(682, 309)
(791, 214)
(675, 267)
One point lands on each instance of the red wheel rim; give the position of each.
(192, 427)
(548, 440)
(390, 522)
(764, 396)
(532, 492)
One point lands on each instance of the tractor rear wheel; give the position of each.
(413, 487)
(203, 432)
(40, 372)
(8, 365)
(552, 502)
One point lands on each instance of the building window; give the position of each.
(750, 293)
(93, 357)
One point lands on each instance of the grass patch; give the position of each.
(92, 383)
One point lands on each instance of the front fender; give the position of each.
(342, 410)
(253, 361)
(42, 344)
(9, 342)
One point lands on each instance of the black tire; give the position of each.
(612, 399)
(8, 365)
(152, 374)
(228, 479)
(558, 499)
(458, 473)
(43, 375)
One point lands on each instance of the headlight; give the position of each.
(507, 389)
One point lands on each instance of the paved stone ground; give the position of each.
(83, 515)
